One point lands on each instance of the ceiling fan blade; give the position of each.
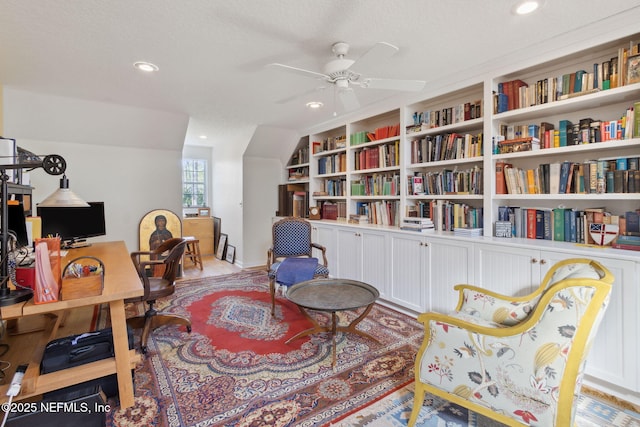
(300, 95)
(348, 99)
(299, 71)
(374, 56)
(394, 84)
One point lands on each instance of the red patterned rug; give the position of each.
(234, 368)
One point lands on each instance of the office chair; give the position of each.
(168, 254)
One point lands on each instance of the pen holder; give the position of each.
(82, 277)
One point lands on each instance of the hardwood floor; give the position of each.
(212, 266)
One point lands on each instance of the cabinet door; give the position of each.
(507, 270)
(618, 335)
(349, 254)
(409, 258)
(376, 260)
(449, 265)
(326, 236)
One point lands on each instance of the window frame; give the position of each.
(195, 172)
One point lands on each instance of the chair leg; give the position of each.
(418, 402)
(272, 291)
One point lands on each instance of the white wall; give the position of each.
(130, 181)
(260, 194)
(227, 190)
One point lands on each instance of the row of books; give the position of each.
(469, 181)
(564, 224)
(328, 144)
(429, 119)
(332, 164)
(611, 73)
(333, 210)
(448, 146)
(381, 132)
(586, 131)
(446, 215)
(376, 185)
(620, 175)
(382, 156)
(300, 156)
(381, 212)
(332, 187)
(299, 173)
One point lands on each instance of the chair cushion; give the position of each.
(496, 310)
(321, 270)
(574, 271)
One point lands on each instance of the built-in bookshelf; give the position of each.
(445, 156)
(578, 114)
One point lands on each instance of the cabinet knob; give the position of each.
(534, 260)
(543, 261)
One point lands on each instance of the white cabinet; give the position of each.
(506, 270)
(425, 269)
(325, 235)
(363, 255)
(409, 267)
(450, 264)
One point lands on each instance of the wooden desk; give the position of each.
(121, 281)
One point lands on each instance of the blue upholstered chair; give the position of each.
(517, 360)
(292, 239)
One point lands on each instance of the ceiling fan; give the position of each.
(345, 73)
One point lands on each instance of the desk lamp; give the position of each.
(53, 165)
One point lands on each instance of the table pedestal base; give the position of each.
(333, 329)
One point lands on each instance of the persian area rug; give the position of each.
(394, 410)
(234, 368)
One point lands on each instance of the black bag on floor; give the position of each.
(76, 350)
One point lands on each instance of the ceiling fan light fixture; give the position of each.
(314, 105)
(147, 67)
(525, 7)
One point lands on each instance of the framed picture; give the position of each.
(204, 212)
(633, 69)
(222, 246)
(216, 233)
(157, 226)
(231, 254)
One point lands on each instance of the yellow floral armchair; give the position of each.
(518, 360)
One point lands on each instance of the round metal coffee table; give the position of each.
(332, 296)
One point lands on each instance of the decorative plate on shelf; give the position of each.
(603, 234)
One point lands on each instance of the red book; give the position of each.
(531, 223)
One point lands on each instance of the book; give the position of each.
(501, 184)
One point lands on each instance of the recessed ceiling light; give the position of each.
(525, 7)
(147, 67)
(314, 105)
(203, 136)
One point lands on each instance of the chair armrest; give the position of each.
(323, 250)
(270, 258)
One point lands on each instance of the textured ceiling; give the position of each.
(213, 54)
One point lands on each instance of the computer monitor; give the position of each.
(73, 225)
(17, 223)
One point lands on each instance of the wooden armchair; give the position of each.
(518, 360)
(157, 287)
(292, 239)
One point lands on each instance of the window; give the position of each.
(194, 183)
